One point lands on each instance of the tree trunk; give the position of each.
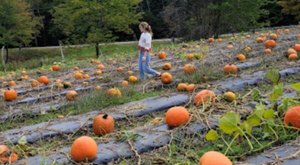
(97, 50)
(6, 57)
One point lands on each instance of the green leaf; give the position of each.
(269, 114)
(253, 120)
(277, 92)
(273, 75)
(22, 140)
(247, 127)
(229, 122)
(296, 86)
(256, 95)
(212, 135)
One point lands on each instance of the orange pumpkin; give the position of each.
(98, 73)
(297, 47)
(273, 36)
(260, 40)
(43, 80)
(190, 56)
(86, 76)
(25, 77)
(220, 40)
(55, 67)
(268, 51)
(229, 46)
(189, 68)
(114, 92)
(132, 79)
(167, 66)
(177, 116)
(292, 116)
(103, 124)
(214, 158)
(166, 78)
(230, 69)
(190, 87)
(98, 87)
(241, 57)
(293, 57)
(78, 75)
(204, 96)
(12, 83)
(10, 95)
(270, 44)
(162, 55)
(84, 148)
(124, 83)
(120, 69)
(34, 83)
(211, 40)
(181, 87)
(71, 95)
(76, 68)
(7, 156)
(291, 51)
(101, 66)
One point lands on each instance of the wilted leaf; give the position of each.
(212, 135)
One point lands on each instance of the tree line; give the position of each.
(46, 22)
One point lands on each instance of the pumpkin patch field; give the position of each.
(227, 100)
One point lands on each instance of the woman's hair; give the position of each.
(146, 26)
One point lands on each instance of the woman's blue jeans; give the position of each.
(144, 66)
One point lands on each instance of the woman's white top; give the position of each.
(145, 41)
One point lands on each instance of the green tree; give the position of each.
(291, 7)
(94, 21)
(17, 24)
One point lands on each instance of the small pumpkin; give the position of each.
(220, 39)
(230, 69)
(190, 56)
(132, 79)
(190, 87)
(260, 40)
(101, 67)
(98, 87)
(211, 40)
(7, 156)
(229, 96)
(24, 77)
(166, 78)
(124, 83)
(241, 57)
(84, 148)
(248, 49)
(214, 158)
(10, 94)
(189, 68)
(114, 92)
(273, 36)
(167, 66)
(181, 87)
(204, 96)
(103, 124)
(34, 83)
(71, 95)
(268, 51)
(76, 68)
(291, 51)
(270, 44)
(55, 67)
(120, 69)
(286, 30)
(43, 80)
(162, 55)
(78, 75)
(297, 47)
(293, 57)
(292, 116)
(130, 73)
(98, 73)
(86, 76)
(248, 36)
(229, 46)
(67, 85)
(85, 83)
(23, 72)
(12, 83)
(177, 116)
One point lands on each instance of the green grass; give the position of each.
(89, 102)
(43, 58)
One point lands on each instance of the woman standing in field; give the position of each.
(144, 49)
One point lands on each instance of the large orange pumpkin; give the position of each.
(55, 67)
(204, 96)
(177, 116)
(162, 55)
(167, 66)
(43, 80)
(270, 44)
(214, 158)
(7, 156)
(10, 95)
(292, 117)
(297, 47)
(84, 148)
(189, 68)
(166, 78)
(103, 124)
(230, 69)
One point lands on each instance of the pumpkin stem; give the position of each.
(105, 116)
